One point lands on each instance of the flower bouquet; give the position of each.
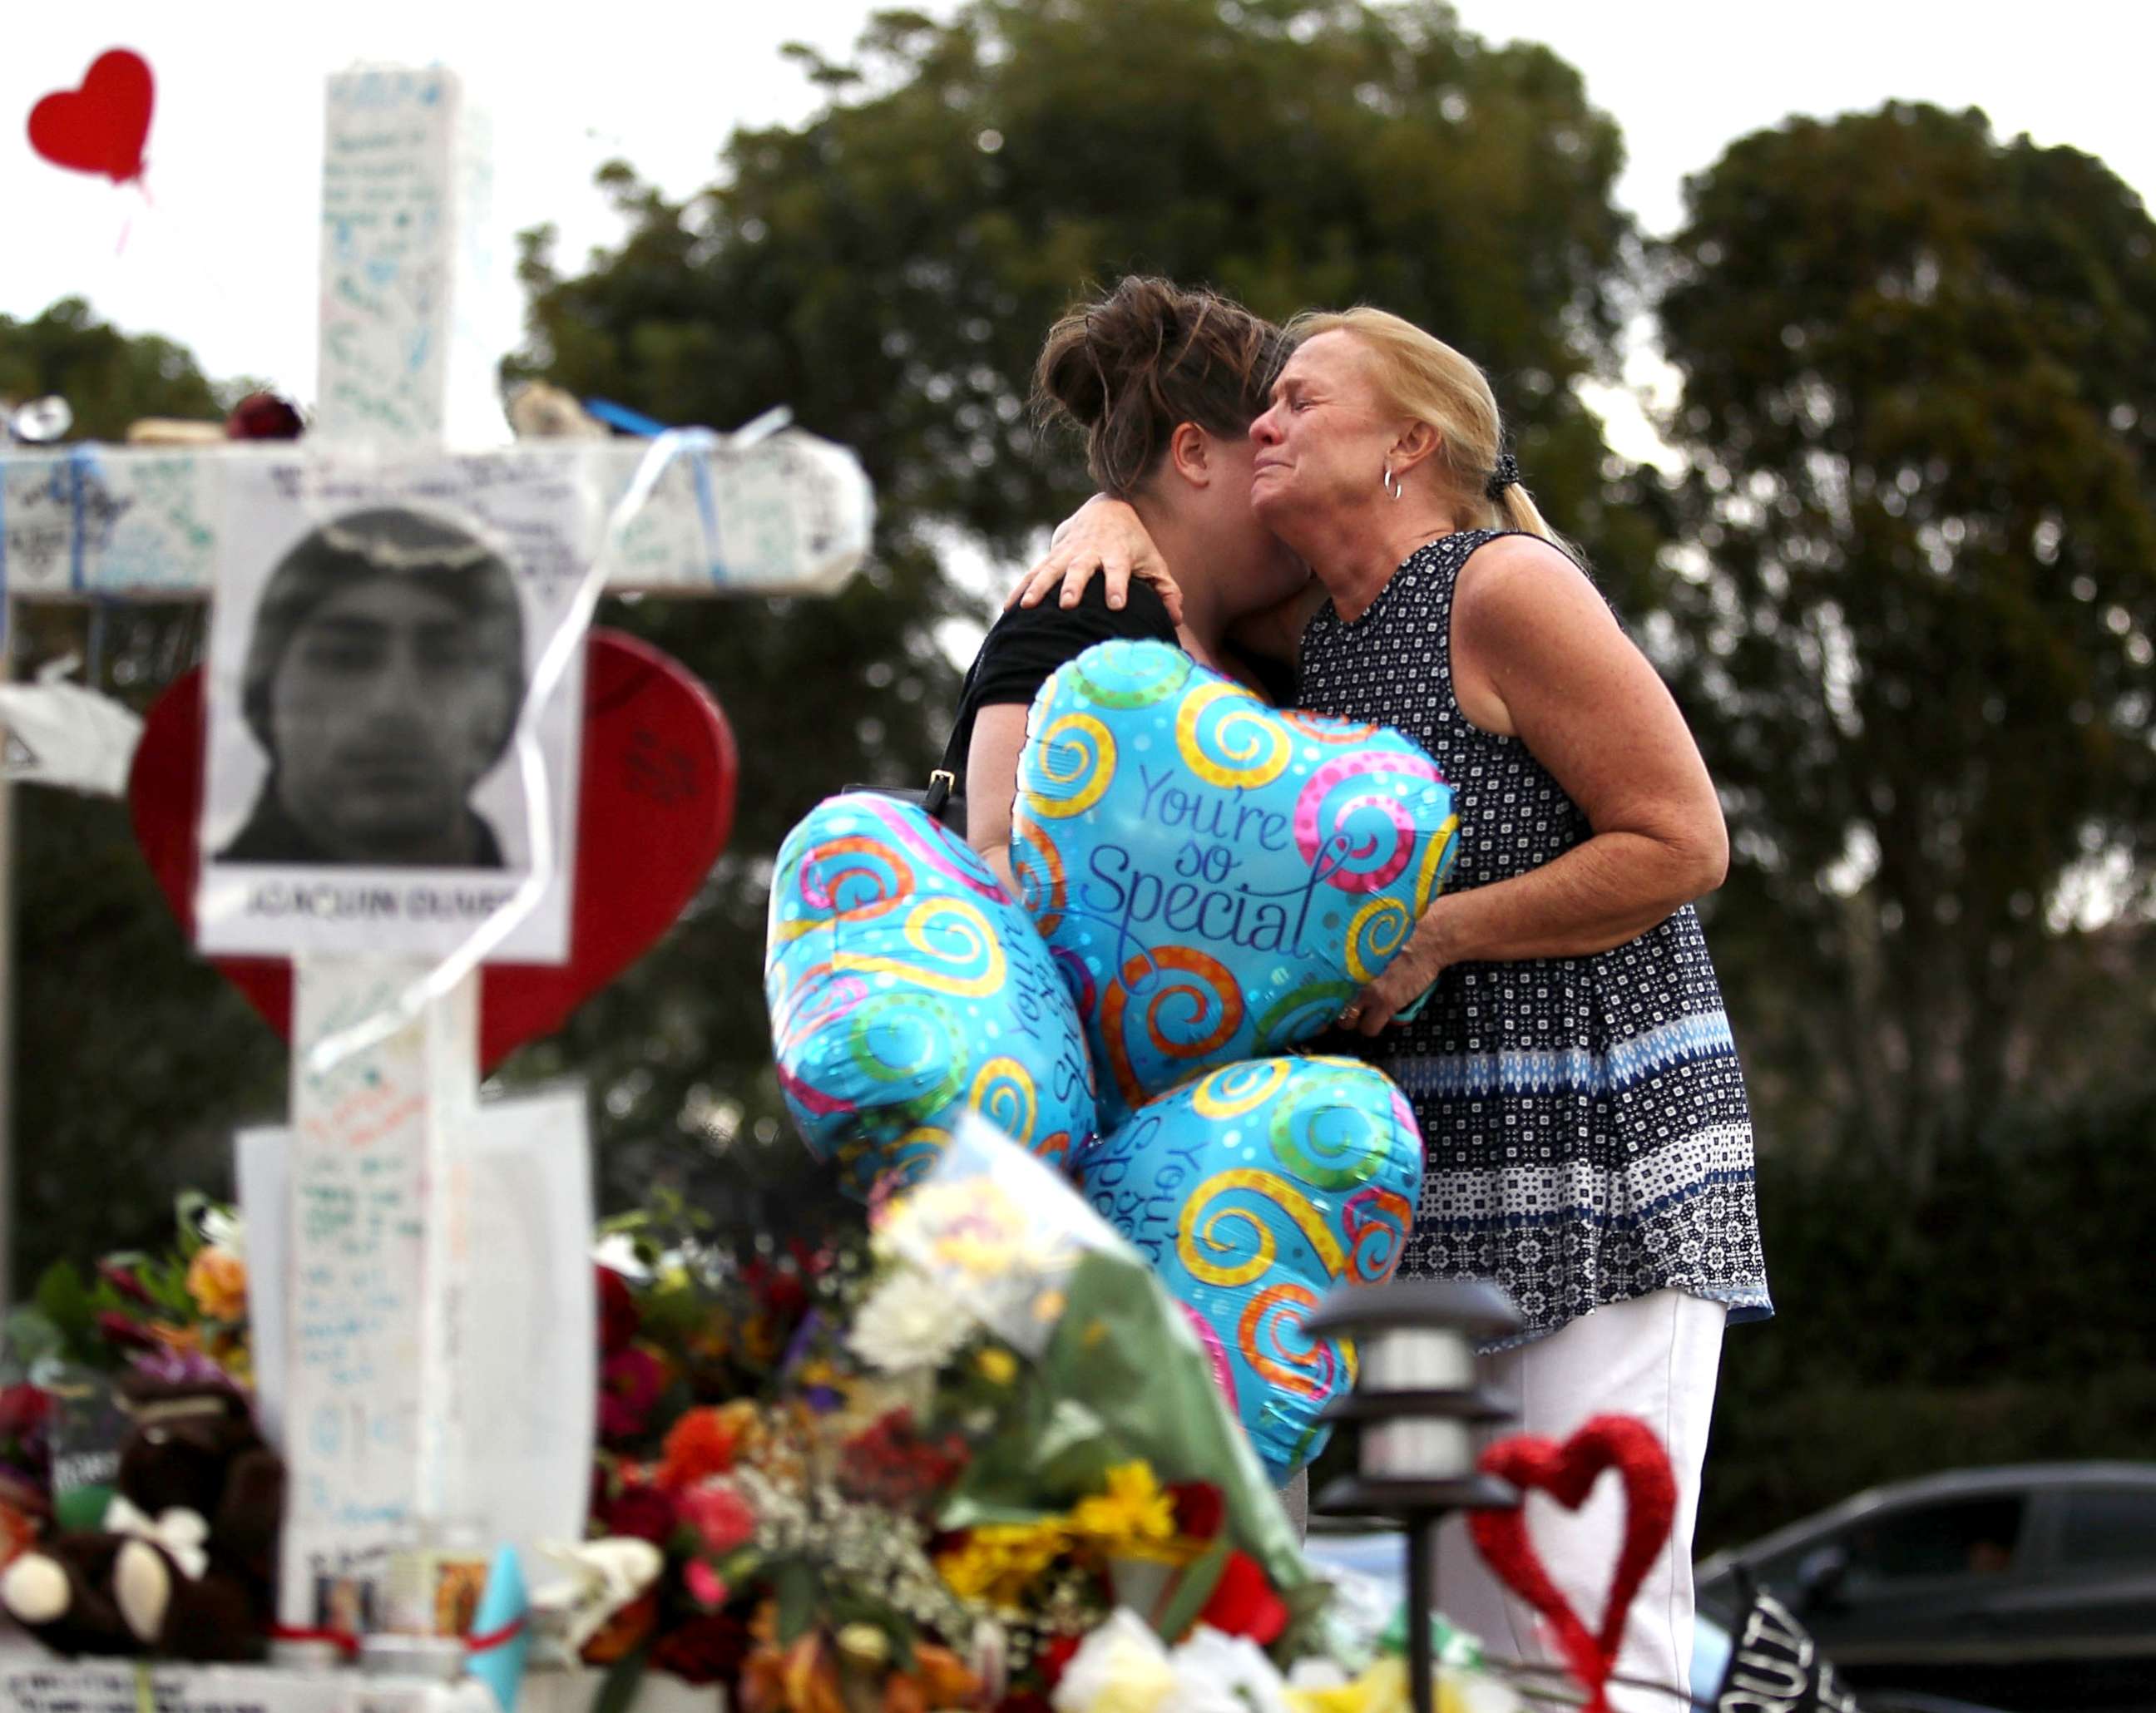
(920, 1470)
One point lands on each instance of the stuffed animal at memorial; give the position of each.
(183, 1566)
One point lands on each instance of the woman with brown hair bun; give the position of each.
(1164, 382)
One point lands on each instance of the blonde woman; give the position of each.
(1589, 1142)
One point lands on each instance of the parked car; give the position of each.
(2032, 1588)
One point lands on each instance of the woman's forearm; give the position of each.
(1604, 893)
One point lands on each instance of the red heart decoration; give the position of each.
(1567, 1473)
(101, 126)
(656, 804)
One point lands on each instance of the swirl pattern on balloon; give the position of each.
(1253, 1190)
(1168, 820)
(1240, 1088)
(1125, 675)
(1351, 819)
(954, 951)
(906, 989)
(1324, 729)
(1077, 764)
(1227, 736)
(1377, 930)
(1188, 1003)
(1037, 865)
(1273, 1342)
(1306, 1011)
(1333, 1142)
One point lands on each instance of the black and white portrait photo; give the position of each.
(370, 669)
(382, 682)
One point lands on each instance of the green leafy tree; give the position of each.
(132, 1060)
(1919, 403)
(889, 269)
(108, 378)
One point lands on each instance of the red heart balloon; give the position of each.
(656, 803)
(101, 126)
(1567, 1473)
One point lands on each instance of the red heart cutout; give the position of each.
(656, 804)
(1567, 1473)
(101, 126)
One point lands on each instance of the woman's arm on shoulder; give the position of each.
(1103, 535)
(991, 785)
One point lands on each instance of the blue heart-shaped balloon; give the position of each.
(1253, 1192)
(905, 988)
(1218, 877)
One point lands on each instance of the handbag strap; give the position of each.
(944, 780)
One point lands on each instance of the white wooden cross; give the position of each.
(377, 1165)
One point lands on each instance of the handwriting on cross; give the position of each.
(376, 1180)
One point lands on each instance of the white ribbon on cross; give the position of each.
(182, 1533)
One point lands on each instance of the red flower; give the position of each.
(618, 1320)
(1199, 1511)
(123, 1280)
(889, 1463)
(124, 1331)
(1055, 1657)
(1244, 1603)
(629, 1384)
(722, 1518)
(702, 1444)
(705, 1650)
(641, 1511)
(263, 415)
(24, 1409)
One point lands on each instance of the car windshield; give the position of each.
(1973, 1536)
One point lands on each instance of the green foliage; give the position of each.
(1920, 396)
(108, 377)
(134, 1059)
(888, 269)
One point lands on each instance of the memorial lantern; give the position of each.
(1417, 1406)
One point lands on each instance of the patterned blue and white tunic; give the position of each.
(1586, 1132)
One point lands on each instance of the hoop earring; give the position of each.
(1394, 487)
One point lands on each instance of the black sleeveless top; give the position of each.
(1586, 1133)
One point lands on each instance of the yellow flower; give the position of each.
(999, 1561)
(216, 1280)
(862, 1644)
(999, 1366)
(1383, 1688)
(1132, 1514)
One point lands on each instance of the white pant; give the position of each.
(1654, 1357)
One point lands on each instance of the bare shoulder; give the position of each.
(1518, 580)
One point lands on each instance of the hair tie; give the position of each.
(1506, 474)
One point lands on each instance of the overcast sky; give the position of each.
(222, 254)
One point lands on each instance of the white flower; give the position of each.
(1120, 1668)
(224, 1229)
(909, 1322)
(1222, 1673)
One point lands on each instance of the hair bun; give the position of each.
(1130, 366)
(1094, 355)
